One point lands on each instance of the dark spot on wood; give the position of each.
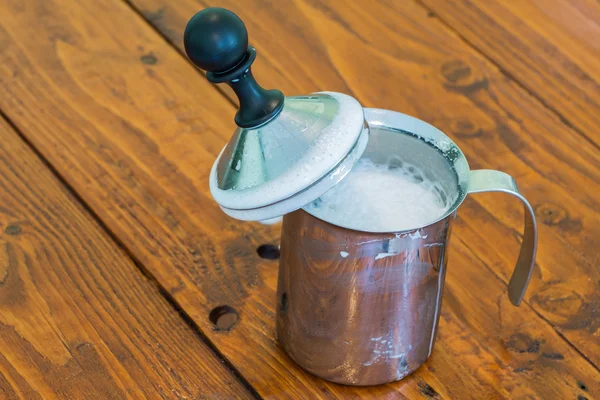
(558, 300)
(283, 304)
(534, 347)
(581, 397)
(555, 215)
(455, 71)
(512, 140)
(12, 230)
(223, 318)
(431, 14)
(268, 251)
(427, 390)
(582, 386)
(550, 214)
(459, 79)
(567, 305)
(522, 369)
(587, 317)
(470, 88)
(571, 225)
(466, 129)
(553, 356)
(149, 59)
(521, 343)
(83, 345)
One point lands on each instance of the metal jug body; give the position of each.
(356, 306)
(359, 308)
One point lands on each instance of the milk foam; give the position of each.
(382, 198)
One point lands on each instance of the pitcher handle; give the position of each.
(485, 180)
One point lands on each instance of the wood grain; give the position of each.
(395, 55)
(134, 129)
(551, 47)
(77, 318)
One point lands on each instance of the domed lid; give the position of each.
(287, 151)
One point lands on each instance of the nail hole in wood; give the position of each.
(284, 303)
(149, 59)
(12, 230)
(268, 251)
(223, 317)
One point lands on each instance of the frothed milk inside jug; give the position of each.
(393, 197)
(401, 183)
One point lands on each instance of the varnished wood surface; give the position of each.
(77, 319)
(133, 128)
(551, 47)
(403, 59)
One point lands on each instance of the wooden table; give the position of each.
(120, 277)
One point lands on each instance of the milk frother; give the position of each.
(353, 307)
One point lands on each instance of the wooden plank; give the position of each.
(134, 130)
(77, 318)
(551, 47)
(394, 55)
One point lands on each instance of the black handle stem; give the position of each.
(216, 40)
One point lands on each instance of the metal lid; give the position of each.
(287, 151)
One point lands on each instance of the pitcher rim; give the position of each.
(405, 124)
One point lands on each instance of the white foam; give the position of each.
(382, 198)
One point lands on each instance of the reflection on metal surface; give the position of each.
(359, 319)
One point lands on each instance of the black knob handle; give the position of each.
(216, 40)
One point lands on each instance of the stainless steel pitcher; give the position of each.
(362, 308)
(354, 307)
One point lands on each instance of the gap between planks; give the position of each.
(143, 270)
